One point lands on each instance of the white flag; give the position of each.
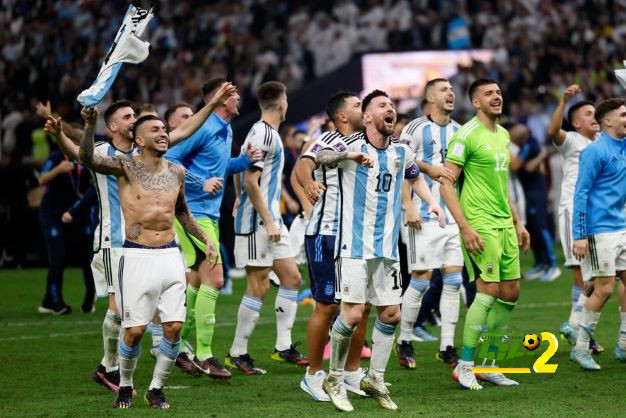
(127, 47)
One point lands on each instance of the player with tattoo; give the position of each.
(151, 273)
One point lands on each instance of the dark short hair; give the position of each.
(423, 103)
(336, 103)
(326, 125)
(431, 83)
(575, 107)
(607, 106)
(170, 111)
(371, 96)
(143, 120)
(114, 107)
(479, 83)
(268, 93)
(146, 107)
(212, 84)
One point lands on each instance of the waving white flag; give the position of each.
(127, 47)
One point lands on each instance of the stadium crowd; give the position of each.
(294, 42)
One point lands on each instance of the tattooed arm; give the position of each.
(331, 158)
(181, 211)
(105, 165)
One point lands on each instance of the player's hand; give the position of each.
(212, 254)
(213, 185)
(53, 125)
(570, 92)
(314, 124)
(579, 248)
(235, 206)
(472, 241)
(413, 218)
(441, 173)
(65, 166)
(43, 110)
(90, 115)
(441, 217)
(273, 232)
(313, 190)
(361, 158)
(222, 94)
(66, 218)
(254, 154)
(523, 237)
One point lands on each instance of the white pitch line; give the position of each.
(227, 324)
(96, 332)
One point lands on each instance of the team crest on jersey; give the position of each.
(346, 290)
(489, 268)
(329, 289)
(397, 164)
(127, 314)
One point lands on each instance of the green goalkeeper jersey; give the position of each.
(484, 156)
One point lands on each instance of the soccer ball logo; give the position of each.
(531, 342)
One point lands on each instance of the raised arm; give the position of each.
(191, 125)
(105, 165)
(555, 133)
(54, 126)
(73, 134)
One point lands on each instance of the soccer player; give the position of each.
(151, 272)
(262, 240)
(430, 247)
(320, 186)
(570, 144)
(599, 224)
(489, 226)
(109, 237)
(368, 267)
(206, 155)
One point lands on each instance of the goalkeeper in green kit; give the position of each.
(491, 231)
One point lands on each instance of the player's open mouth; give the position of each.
(450, 102)
(388, 119)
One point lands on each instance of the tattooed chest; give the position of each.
(166, 181)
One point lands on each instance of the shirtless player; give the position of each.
(151, 272)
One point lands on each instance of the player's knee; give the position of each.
(603, 290)
(171, 330)
(352, 315)
(133, 335)
(390, 316)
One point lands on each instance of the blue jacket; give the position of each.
(206, 154)
(601, 188)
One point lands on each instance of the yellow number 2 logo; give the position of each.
(540, 365)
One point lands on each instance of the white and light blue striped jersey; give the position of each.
(110, 230)
(429, 142)
(262, 136)
(324, 218)
(371, 199)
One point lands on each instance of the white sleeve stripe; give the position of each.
(467, 129)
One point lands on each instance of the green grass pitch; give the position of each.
(46, 363)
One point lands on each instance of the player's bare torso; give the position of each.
(148, 199)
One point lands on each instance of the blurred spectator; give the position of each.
(529, 162)
(65, 183)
